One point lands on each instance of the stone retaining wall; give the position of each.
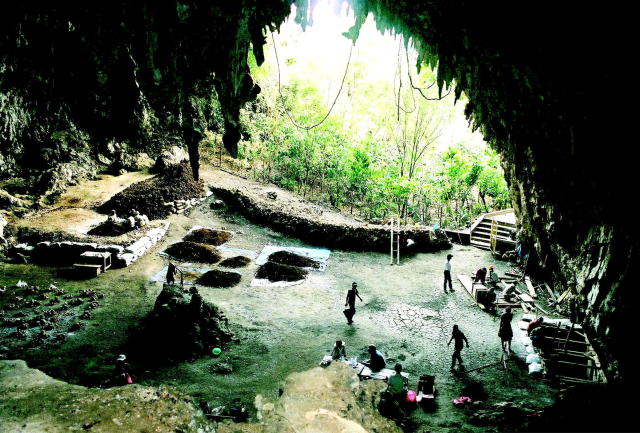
(68, 252)
(359, 237)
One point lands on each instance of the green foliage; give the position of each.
(380, 151)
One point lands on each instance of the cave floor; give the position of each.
(282, 330)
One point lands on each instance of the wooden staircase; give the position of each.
(493, 228)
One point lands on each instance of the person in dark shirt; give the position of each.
(504, 331)
(459, 339)
(171, 273)
(351, 302)
(481, 274)
(376, 361)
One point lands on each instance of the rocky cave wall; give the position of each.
(538, 76)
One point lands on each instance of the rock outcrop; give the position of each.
(181, 327)
(32, 402)
(331, 400)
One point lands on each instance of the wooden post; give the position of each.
(391, 253)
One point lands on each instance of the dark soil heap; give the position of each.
(235, 262)
(193, 252)
(209, 236)
(109, 229)
(216, 278)
(277, 272)
(181, 327)
(292, 259)
(149, 196)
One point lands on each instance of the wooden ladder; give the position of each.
(395, 242)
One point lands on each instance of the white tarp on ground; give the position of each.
(320, 255)
(260, 282)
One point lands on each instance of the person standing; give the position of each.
(171, 273)
(459, 339)
(447, 273)
(351, 302)
(504, 331)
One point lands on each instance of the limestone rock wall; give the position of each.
(32, 402)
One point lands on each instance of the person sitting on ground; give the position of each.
(494, 279)
(396, 384)
(481, 274)
(376, 362)
(338, 351)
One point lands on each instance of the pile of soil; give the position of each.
(193, 252)
(109, 229)
(292, 259)
(181, 327)
(209, 236)
(277, 272)
(149, 196)
(235, 262)
(216, 278)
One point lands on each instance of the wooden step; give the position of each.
(88, 269)
(480, 244)
(488, 230)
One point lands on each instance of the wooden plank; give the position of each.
(525, 297)
(577, 365)
(574, 379)
(511, 274)
(532, 290)
(563, 296)
(562, 339)
(466, 283)
(553, 296)
(540, 308)
(524, 307)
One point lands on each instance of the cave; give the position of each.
(74, 80)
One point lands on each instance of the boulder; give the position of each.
(170, 157)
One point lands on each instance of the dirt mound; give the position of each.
(193, 252)
(109, 229)
(215, 278)
(235, 262)
(276, 272)
(209, 236)
(149, 196)
(181, 327)
(292, 259)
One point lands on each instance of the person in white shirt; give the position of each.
(447, 273)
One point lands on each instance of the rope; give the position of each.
(308, 128)
(419, 89)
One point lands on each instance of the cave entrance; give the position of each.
(358, 126)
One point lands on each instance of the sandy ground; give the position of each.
(73, 212)
(405, 313)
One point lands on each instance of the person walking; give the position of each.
(459, 339)
(504, 331)
(351, 302)
(447, 273)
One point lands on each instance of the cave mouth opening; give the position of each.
(358, 117)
